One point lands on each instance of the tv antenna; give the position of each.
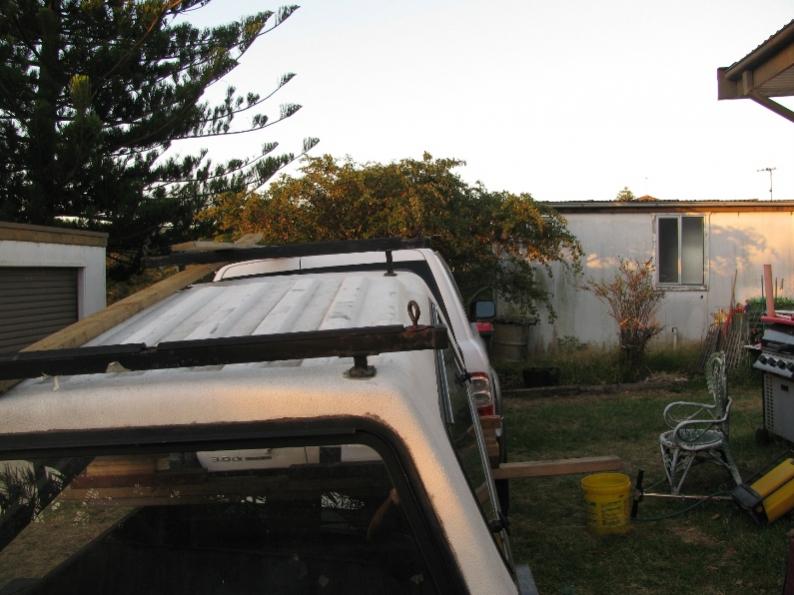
(770, 170)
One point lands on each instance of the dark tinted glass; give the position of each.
(464, 437)
(281, 520)
(692, 250)
(668, 250)
(484, 310)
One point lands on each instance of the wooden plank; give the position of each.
(88, 328)
(200, 246)
(491, 422)
(492, 448)
(125, 465)
(20, 232)
(249, 239)
(491, 429)
(564, 390)
(549, 468)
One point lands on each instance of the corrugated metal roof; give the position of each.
(673, 205)
(269, 305)
(772, 44)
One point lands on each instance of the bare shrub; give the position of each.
(633, 302)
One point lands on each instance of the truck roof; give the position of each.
(238, 308)
(396, 398)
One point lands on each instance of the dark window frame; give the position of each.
(419, 511)
(499, 533)
(676, 256)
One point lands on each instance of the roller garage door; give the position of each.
(34, 302)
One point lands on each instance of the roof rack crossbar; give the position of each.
(225, 350)
(236, 254)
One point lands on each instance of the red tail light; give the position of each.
(484, 328)
(484, 411)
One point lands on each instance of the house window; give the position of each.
(681, 254)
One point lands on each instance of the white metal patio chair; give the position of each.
(699, 431)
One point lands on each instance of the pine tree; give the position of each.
(93, 94)
(625, 195)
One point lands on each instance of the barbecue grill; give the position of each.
(776, 361)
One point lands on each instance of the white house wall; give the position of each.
(744, 242)
(737, 244)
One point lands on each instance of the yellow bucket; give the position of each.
(608, 499)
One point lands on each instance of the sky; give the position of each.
(564, 99)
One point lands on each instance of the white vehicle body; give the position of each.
(402, 397)
(468, 339)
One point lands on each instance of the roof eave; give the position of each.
(763, 52)
(766, 72)
(710, 206)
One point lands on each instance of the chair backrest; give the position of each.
(717, 383)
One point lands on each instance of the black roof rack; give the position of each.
(236, 254)
(352, 342)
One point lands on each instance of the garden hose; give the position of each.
(640, 492)
(683, 511)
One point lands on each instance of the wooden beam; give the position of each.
(249, 239)
(492, 429)
(200, 246)
(563, 390)
(88, 328)
(21, 232)
(773, 66)
(776, 107)
(550, 468)
(726, 88)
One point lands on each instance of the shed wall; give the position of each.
(737, 243)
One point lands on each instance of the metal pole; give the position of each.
(685, 496)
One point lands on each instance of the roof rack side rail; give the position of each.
(236, 254)
(355, 342)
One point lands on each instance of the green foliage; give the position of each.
(625, 195)
(633, 301)
(494, 239)
(18, 490)
(92, 96)
(758, 304)
(682, 361)
(586, 367)
(570, 344)
(24, 492)
(582, 365)
(755, 307)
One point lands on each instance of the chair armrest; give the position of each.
(697, 424)
(672, 418)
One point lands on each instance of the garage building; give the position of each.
(50, 277)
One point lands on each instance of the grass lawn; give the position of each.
(715, 548)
